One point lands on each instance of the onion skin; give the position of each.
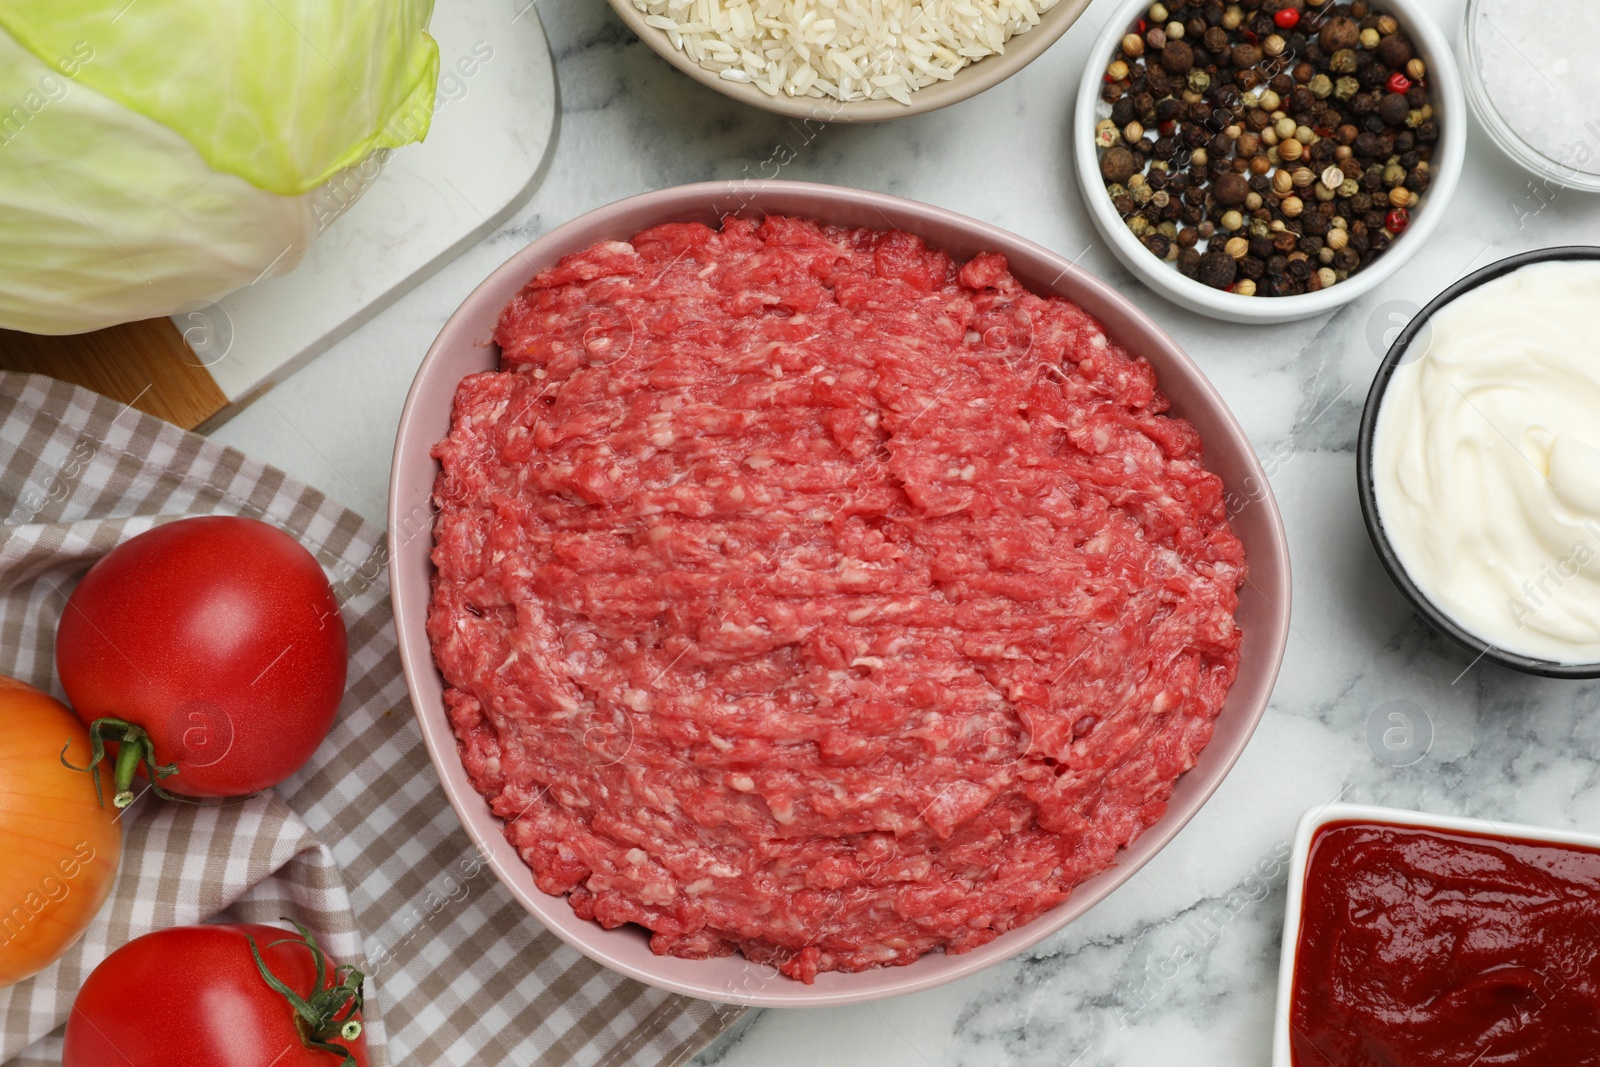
(59, 848)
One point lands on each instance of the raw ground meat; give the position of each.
(804, 593)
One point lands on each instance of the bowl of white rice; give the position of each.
(850, 60)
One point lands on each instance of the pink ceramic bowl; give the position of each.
(465, 346)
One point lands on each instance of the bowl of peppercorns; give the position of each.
(1268, 160)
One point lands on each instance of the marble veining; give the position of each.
(1179, 965)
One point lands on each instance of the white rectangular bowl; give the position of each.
(1316, 818)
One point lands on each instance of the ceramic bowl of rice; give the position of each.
(850, 60)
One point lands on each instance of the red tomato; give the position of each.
(195, 995)
(221, 639)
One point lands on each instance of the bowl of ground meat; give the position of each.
(809, 595)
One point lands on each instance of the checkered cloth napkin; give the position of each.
(361, 846)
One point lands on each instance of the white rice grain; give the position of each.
(844, 49)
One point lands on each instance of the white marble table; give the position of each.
(1178, 965)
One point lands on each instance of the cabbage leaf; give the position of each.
(283, 93)
(162, 159)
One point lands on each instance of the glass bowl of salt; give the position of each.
(1531, 79)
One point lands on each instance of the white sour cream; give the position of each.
(1486, 462)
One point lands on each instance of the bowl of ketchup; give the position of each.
(1416, 940)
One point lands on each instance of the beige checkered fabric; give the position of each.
(361, 845)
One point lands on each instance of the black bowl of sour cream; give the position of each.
(1478, 462)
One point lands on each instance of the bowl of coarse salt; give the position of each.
(1532, 83)
(849, 60)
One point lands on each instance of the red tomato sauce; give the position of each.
(805, 593)
(1424, 948)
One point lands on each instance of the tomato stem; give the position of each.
(127, 762)
(134, 750)
(328, 1013)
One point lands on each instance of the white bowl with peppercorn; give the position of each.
(1268, 160)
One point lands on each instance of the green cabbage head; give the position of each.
(159, 154)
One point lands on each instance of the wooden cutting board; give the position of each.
(146, 364)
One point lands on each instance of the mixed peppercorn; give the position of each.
(1266, 147)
